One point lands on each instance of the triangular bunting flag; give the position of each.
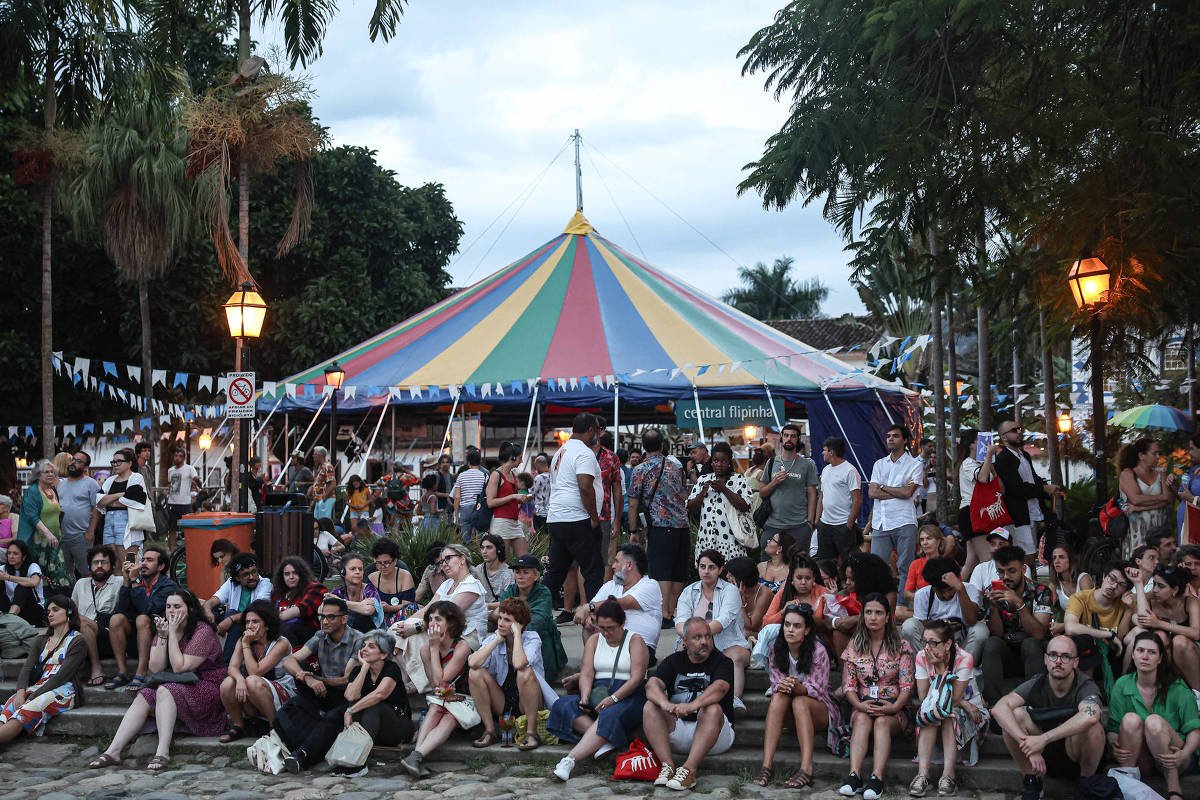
(206, 383)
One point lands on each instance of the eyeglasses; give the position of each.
(99, 561)
(1113, 579)
(933, 642)
(799, 608)
(119, 461)
(1015, 429)
(329, 616)
(383, 564)
(1060, 657)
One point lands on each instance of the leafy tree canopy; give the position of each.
(770, 293)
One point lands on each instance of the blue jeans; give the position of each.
(904, 541)
(116, 520)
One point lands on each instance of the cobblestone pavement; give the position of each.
(52, 771)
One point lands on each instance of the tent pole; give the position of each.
(525, 461)
(886, 410)
(539, 420)
(287, 428)
(223, 421)
(393, 450)
(303, 436)
(366, 456)
(450, 422)
(263, 427)
(699, 421)
(771, 403)
(849, 443)
(616, 417)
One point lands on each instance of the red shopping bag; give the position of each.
(638, 763)
(988, 511)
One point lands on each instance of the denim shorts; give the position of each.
(116, 520)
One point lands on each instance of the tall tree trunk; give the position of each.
(939, 378)
(1189, 349)
(1016, 365)
(952, 368)
(1049, 382)
(143, 284)
(981, 333)
(51, 113)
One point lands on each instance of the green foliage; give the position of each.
(770, 293)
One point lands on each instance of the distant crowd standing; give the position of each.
(901, 628)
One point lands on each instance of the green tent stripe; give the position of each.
(522, 350)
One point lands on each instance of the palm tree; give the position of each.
(770, 293)
(133, 188)
(63, 55)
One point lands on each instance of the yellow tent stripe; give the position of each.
(462, 358)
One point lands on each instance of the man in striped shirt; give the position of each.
(471, 481)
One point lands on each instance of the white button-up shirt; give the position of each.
(888, 515)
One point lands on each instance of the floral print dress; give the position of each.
(882, 675)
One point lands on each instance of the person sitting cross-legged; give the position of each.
(507, 675)
(614, 670)
(689, 706)
(257, 683)
(1052, 723)
(1152, 720)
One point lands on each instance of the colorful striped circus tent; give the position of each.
(580, 320)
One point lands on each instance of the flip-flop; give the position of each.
(117, 681)
(96, 680)
(234, 733)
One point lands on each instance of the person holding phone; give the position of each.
(1018, 613)
(143, 596)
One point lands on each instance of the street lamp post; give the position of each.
(334, 376)
(245, 311)
(1090, 280)
(1064, 428)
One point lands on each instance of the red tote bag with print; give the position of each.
(638, 763)
(988, 511)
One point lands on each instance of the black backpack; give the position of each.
(1098, 787)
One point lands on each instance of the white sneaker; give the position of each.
(604, 748)
(563, 770)
(664, 775)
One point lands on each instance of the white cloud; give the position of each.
(479, 96)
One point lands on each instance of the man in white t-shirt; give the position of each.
(840, 500)
(184, 481)
(572, 515)
(637, 592)
(946, 597)
(895, 478)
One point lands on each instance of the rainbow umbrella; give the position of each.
(1154, 417)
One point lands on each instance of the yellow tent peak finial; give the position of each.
(579, 224)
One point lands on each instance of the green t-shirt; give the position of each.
(789, 501)
(1178, 708)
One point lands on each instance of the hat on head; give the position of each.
(1001, 532)
(297, 454)
(527, 562)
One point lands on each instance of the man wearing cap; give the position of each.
(299, 477)
(527, 585)
(1024, 489)
(225, 609)
(985, 572)
(1053, 722)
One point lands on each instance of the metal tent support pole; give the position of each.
(849, 443)
(771, 403)
(886, 410)
(449, 422)
(699, 421)
(616, 417)
(525, 460)
(300, 442)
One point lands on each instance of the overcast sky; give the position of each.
(480, 96)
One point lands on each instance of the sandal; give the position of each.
(158, 763)
(103, 760)
(532, 742)
(96, 680)
(488, 739)
(137, 683)
(764, 777)
(799, 780)
(234, 733)
(117, 681)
